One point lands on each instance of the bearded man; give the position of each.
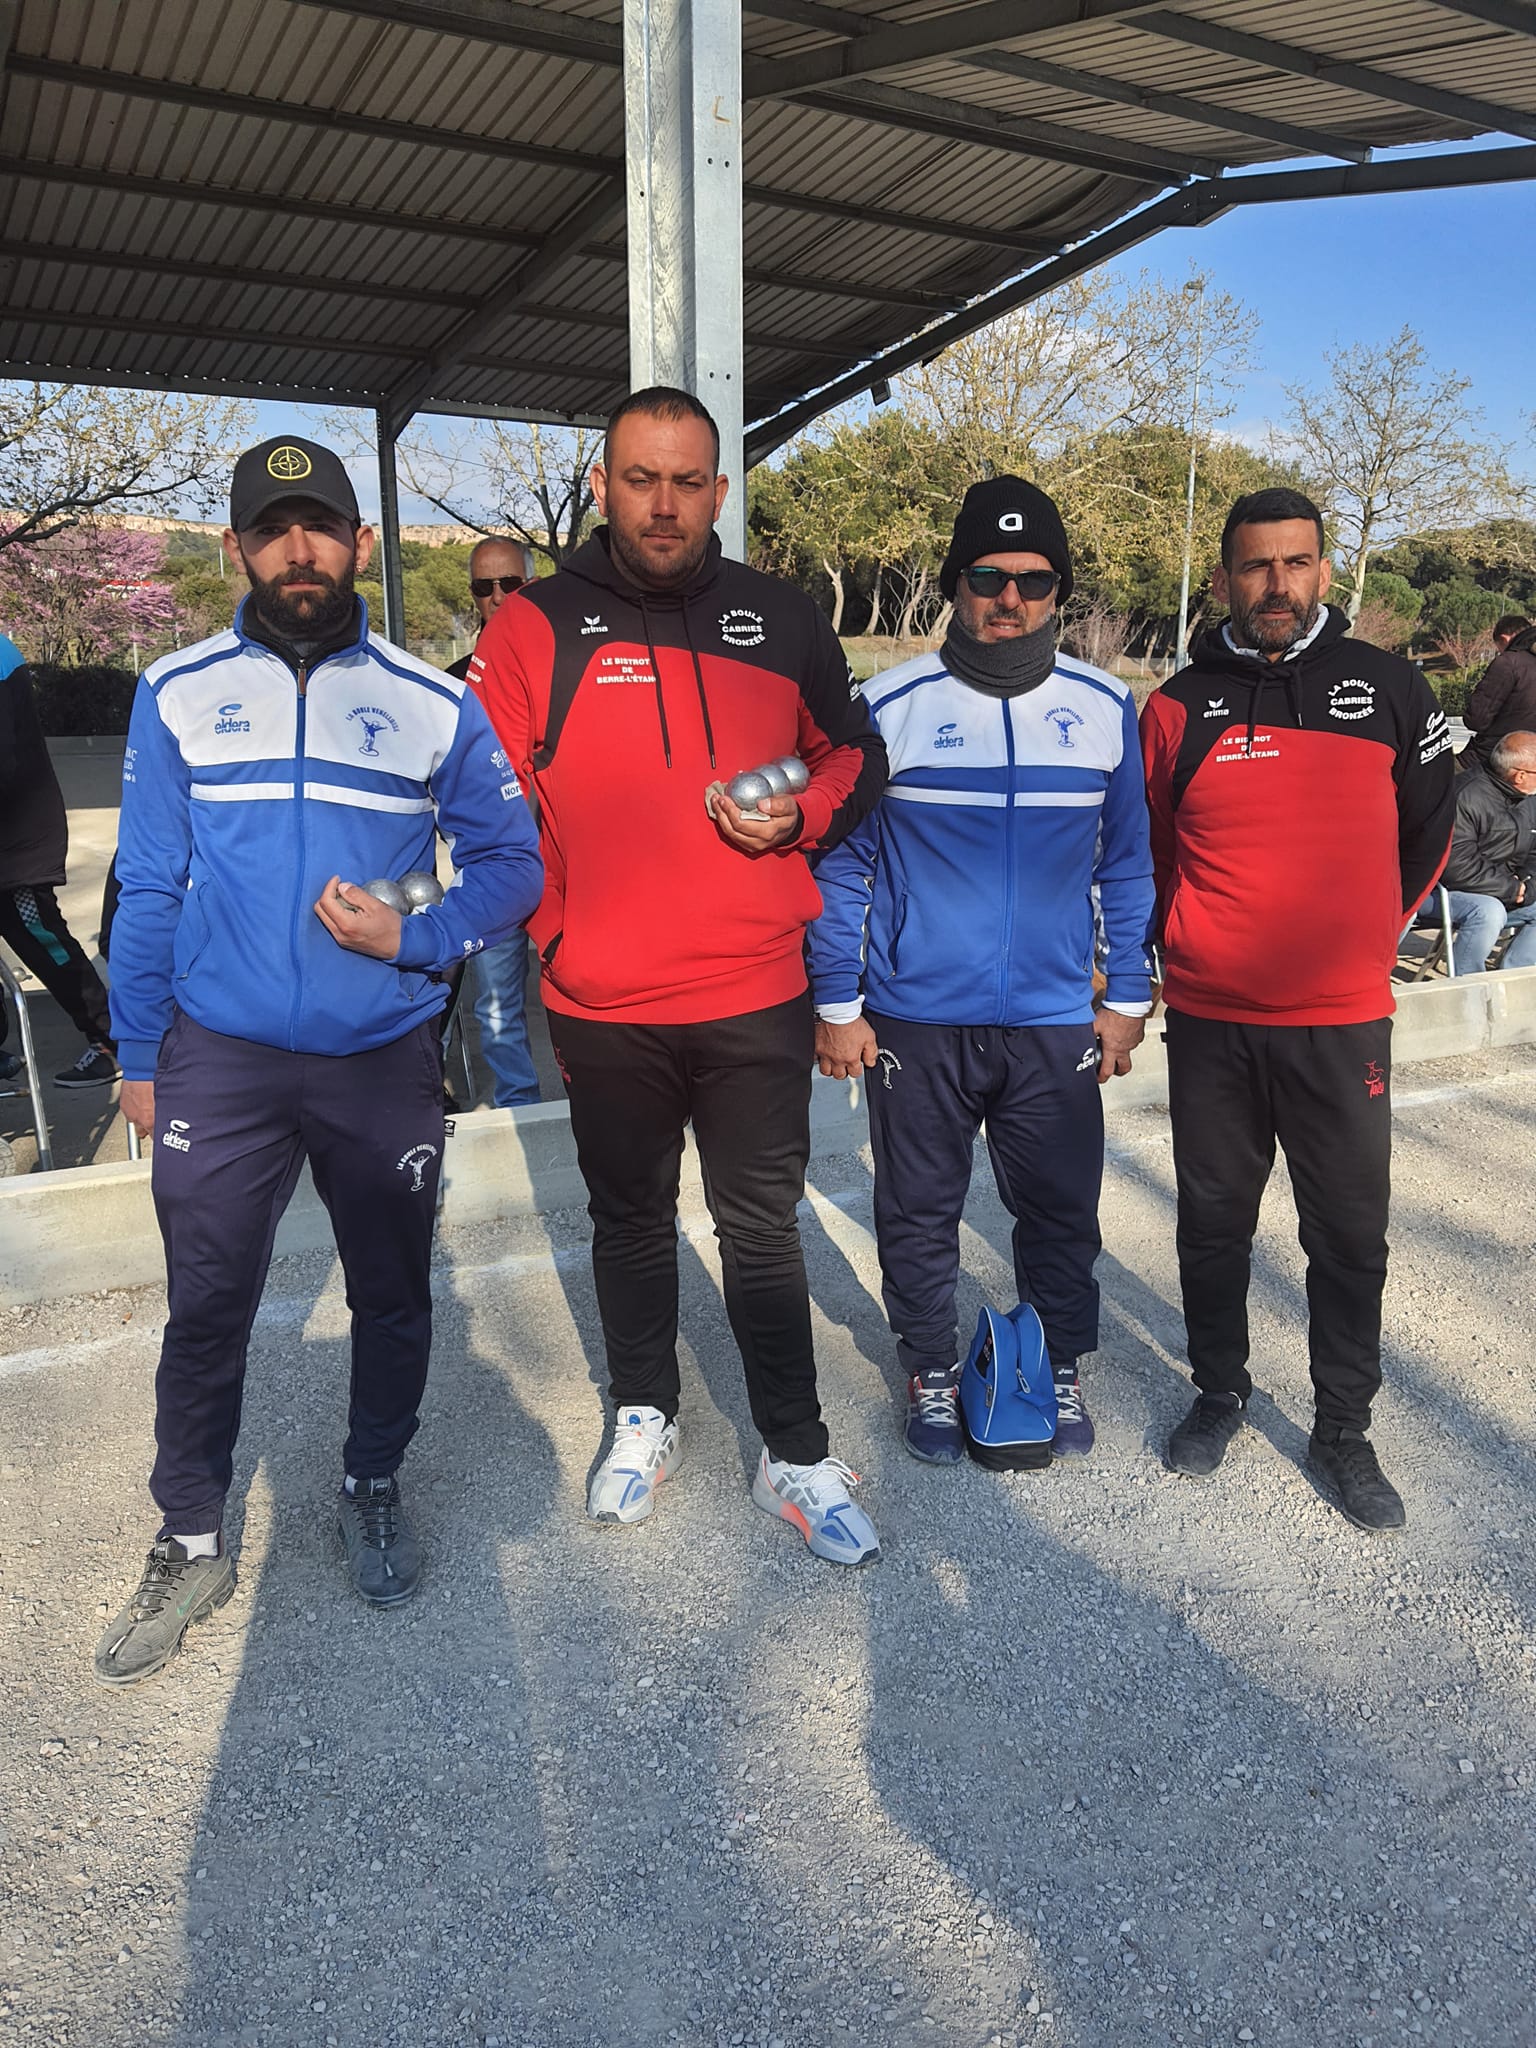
(1301, 792)
(268, 1011)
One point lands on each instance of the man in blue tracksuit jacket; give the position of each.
(268, 1009)
(954, 957)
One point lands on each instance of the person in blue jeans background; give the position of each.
(499, 975)
(1488, 874)
(953, 961)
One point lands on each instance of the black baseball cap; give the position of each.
(289, 468)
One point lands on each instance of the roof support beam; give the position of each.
(1480, 115)
(174, 92)
(1193, 207)
(1519, 16)
(195, 272)
(891, 46)
(1095, 85)
(495, 21)
(895, 107)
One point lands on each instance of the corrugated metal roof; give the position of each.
(312, 198)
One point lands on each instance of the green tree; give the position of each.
(1396, 451)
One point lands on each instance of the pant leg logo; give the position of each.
(175, 1137)
(1375, 1079)
(1089, 1059)
(889, 1064)
(417, 1159)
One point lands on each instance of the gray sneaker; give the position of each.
(380, 1543)
(175, 1591)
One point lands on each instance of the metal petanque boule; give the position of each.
(747, 790)
(796, 775)
(389, 893)
(420, 889)
(773, 774)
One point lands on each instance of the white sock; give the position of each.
(199, 1546)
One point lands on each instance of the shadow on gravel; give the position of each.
(346, 1826)
(1108, 1808)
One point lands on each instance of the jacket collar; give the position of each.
(253, 630)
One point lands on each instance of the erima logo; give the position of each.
(417, 1159)
(1218, 708)
(228, 719)
(946, 736)
(373, 720)
(173, 1136)
(1353, 698)
(592, 625)
(739, 628)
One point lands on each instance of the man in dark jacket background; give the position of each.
(1505, 699)
(34, 841)
(1488, 874)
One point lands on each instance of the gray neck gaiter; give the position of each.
(1001, 668)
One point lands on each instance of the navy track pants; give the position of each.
(1036, 1089)
(234, 1123)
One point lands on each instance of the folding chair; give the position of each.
(10, 988)
(1443, 944)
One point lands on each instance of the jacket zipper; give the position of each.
(298, 908)
(1008, 890)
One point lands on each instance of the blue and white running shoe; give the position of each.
(933, 1430)
(645, 1451)
(816, 1501)
(1074, 1430)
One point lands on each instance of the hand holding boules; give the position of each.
(772, 822)
(359, 920)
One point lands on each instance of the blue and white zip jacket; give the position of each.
(246, 787)
(967, 896)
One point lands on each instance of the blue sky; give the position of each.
(1456, 266)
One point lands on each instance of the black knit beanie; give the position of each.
(1006, 516)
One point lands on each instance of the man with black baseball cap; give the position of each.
(954, 959)
(268, 1011)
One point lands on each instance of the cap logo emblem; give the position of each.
(1010, 522)
(288, 464)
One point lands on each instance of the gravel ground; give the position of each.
(1100, 1757)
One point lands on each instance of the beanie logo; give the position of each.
(288, 464)
(1010, 522)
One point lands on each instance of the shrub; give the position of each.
(75, 701)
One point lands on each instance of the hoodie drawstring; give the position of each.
(698, 680)
(661, 707)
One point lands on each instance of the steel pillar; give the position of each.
(390, 571)
(682, 113)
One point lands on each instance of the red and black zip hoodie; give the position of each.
(1300, 810)
(619, 707)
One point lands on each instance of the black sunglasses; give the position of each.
(1031, 584)
(482, 586)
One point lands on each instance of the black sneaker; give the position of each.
(380, 1543)
(95, 1068)
(1347, 1466)
(1200, 1442)
(175, 1591)
(13, 1074)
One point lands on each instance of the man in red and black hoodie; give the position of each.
(1301, 794)
(626, 691)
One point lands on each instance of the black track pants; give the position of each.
(745, 1082)
(32, 924)
(1036, 1088)
(1324, 1092)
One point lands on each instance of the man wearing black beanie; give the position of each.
(956, 950)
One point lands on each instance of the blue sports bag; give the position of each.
(1007, 1394)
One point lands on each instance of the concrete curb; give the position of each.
(94, 1226)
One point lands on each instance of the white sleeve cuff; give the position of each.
(1130, 1009)
(840, 1013)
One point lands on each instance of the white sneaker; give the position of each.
(645, 1452)
(815, 1499)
